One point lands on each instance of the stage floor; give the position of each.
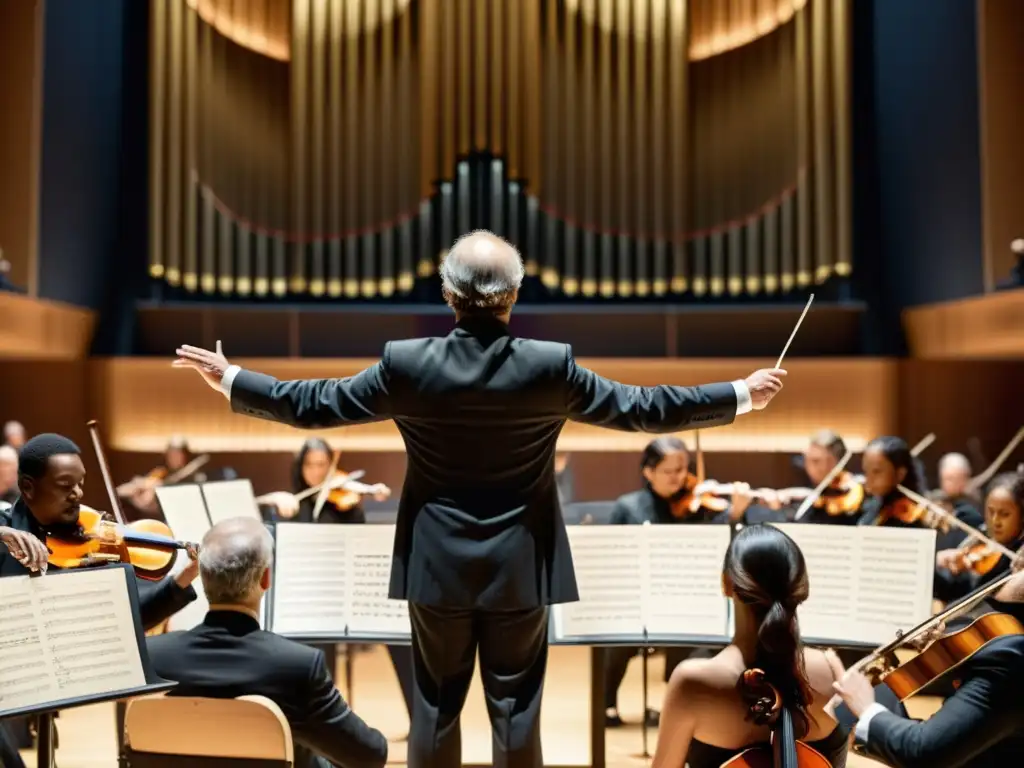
(87, 734)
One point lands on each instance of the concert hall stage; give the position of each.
(87, 734)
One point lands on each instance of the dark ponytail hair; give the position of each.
(896, 450)
(658, 449)
(299, 483)
(768, 574)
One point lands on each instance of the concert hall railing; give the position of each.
(645, 148)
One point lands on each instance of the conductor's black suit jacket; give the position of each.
(479, 523)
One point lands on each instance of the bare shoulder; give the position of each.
(822, 668)
(708, 675)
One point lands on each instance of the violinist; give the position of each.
(981, 724)
(963, 569)
(51, 476)
(842, 501)
(667, 495)
(139, 493)
(343, 504)
(888, 463)
(666, 498)
(711, 712)
(954, 494)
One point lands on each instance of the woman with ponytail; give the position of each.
(716, 708)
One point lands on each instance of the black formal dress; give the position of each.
(158, 601)
(480, 544)
(980, 725)
(228, 656)
(833, 747)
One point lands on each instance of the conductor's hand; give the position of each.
(211, 365)
(764, 385)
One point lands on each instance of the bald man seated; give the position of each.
(8, 475)
(228, 655)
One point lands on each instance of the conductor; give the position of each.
(480, 548)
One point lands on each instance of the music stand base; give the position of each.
(45, 747)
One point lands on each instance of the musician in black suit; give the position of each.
(981, 724)
(480, 544)
(228, 655)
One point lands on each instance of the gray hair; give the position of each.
(232, 559)
(481, 273)
(955, 461)
(8, 453)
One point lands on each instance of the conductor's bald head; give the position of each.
(234, 562)
(481, 275)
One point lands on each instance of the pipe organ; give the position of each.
(628, 148)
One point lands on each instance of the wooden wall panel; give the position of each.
(21, 43)
(1001, 83)
(141, 401)
(982, 327)
(35, 329)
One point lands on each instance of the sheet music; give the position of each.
(683, 594)
(866, 582)
(230, 498)
(369, 608)
(894, 591)
(185, 512)
(66, 636)
(832, 555)
(607, 560)
(311, 578)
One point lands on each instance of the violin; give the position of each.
(685, 502)
(942, 654)
(97, 540)
(342, 498)
(904, 510)
(784, 749)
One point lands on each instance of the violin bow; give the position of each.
(956, 521)
(189, 469)
(825, 482)
(979, 480)
(115, 507)
(325, 489)
(922, 444)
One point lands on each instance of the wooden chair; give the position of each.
(247, 732)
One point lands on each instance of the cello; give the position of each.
(767, 708)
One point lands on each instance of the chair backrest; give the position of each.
(247, 732)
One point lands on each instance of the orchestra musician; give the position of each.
(666, 498)
(139, 493)
(710, 713)
(980, 725)
(51, 476)
(8, 474)
(888, 463)
(953, 493)
(228, 655)
(14, 434)
(842, 501)
(342, 505)
(963, 569)
(481, 549)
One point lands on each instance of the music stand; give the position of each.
(44, 624)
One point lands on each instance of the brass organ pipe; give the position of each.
(606, 128)
(553, 156)
(225, 179)
(157, 124)
(641, 148)
(824, 203)
(337, 165)
(842, 120)
(353, 200)
(626, 189)
(659, 148)
(409, 114)
(389, 171)
(804, 182)
(464, 74)
(430, 75)
(532, 87)
(299, 129)
(499, 86)
(318, 23)
(680, 143)
(208, 250)
(570, 142)
(174, 193)
(371, 145)
(482, 64)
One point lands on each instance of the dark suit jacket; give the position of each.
(982, 724)
(158, 600)
(228, 656)
(479, 524)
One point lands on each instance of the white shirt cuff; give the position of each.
(744, 404)
(229, 377)
(861, 731)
